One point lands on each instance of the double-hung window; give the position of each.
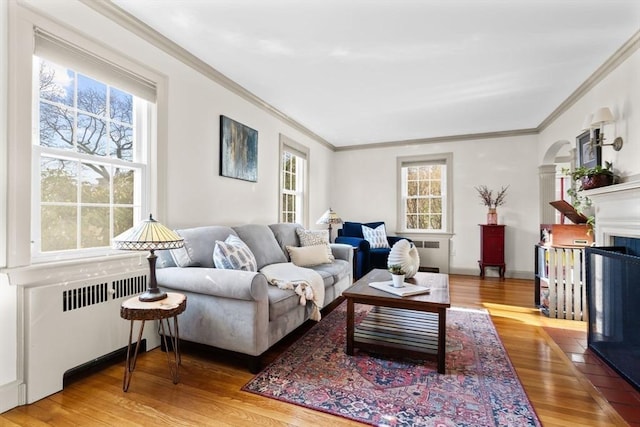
(90, 145)
(425, 193)
(293, 181)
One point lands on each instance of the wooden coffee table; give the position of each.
(412, 326)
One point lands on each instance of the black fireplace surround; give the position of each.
(613, 293)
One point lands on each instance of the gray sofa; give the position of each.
(239, 310)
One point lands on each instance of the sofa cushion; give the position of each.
(286, 235)
(233, 254)
(199, 243)
(377, 237)
(315, 237)
(308, 256)
(262, 243)
(281, 301)
(334, 272)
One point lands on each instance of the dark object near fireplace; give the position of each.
(613, 292)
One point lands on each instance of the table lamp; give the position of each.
(329, 217)
(149, 235)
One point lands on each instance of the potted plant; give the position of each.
(397, 275)
(594, 177)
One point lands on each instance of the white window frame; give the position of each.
(445, 159)
(20, 130)
(287, 145)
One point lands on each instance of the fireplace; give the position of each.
(613, 279)
(613, 290)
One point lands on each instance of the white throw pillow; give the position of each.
(377, 237)
(234, 254)
(308, 256)
(314, 238)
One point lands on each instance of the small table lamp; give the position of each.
(149, 235)
(329, 217)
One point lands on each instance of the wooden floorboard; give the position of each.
(209, 389)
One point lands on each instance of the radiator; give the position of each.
(70, 324)
(434, 252)
(563, 293)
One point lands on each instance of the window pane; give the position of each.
(435, 188)
(412, 205)
(95, 184)
(123, 186)
(92, 96)
(121, 106)
(412, 188)
(436, 205)
(423, 205)
(92, 135)
(95, 227)
(122, 220)
(58, 180)
(423, 188)
(56, 126)
(121, 137)
(58, 228)
(56, 83)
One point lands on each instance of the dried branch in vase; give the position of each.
(487, 198)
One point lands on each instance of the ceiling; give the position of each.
(370, 71)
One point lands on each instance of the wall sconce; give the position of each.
(596, 121)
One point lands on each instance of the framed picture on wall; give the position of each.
(238, 150)
(589, 155)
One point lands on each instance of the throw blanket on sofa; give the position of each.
(305, 282)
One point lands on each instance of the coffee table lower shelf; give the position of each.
(384, 329)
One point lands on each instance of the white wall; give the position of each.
(367, 192)
(620, 91)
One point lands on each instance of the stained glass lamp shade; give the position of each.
(149, 235)
(329, 217)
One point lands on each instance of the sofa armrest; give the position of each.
(234, 284)
(357, 242)
(342, 251)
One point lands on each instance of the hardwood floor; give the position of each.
(209, 389)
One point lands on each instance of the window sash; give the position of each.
(112, 216)
(293, 181)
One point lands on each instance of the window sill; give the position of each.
(66, 271)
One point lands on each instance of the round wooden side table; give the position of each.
(163, 310)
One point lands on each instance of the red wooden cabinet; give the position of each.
(492, 248)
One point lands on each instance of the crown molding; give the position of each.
(618, 57)
(436, 139)
(145, 32)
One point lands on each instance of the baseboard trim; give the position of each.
(490, 273)
(12, 394)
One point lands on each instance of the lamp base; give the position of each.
(152, 294)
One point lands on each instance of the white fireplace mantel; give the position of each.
(617, 211)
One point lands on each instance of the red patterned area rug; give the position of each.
(480, 388)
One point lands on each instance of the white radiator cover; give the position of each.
(433, 250)
(72, 323)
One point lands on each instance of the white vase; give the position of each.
(405, 254)
(398, 280)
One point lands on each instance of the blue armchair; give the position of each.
(367, 258)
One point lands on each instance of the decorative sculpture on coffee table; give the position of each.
(405, 254)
